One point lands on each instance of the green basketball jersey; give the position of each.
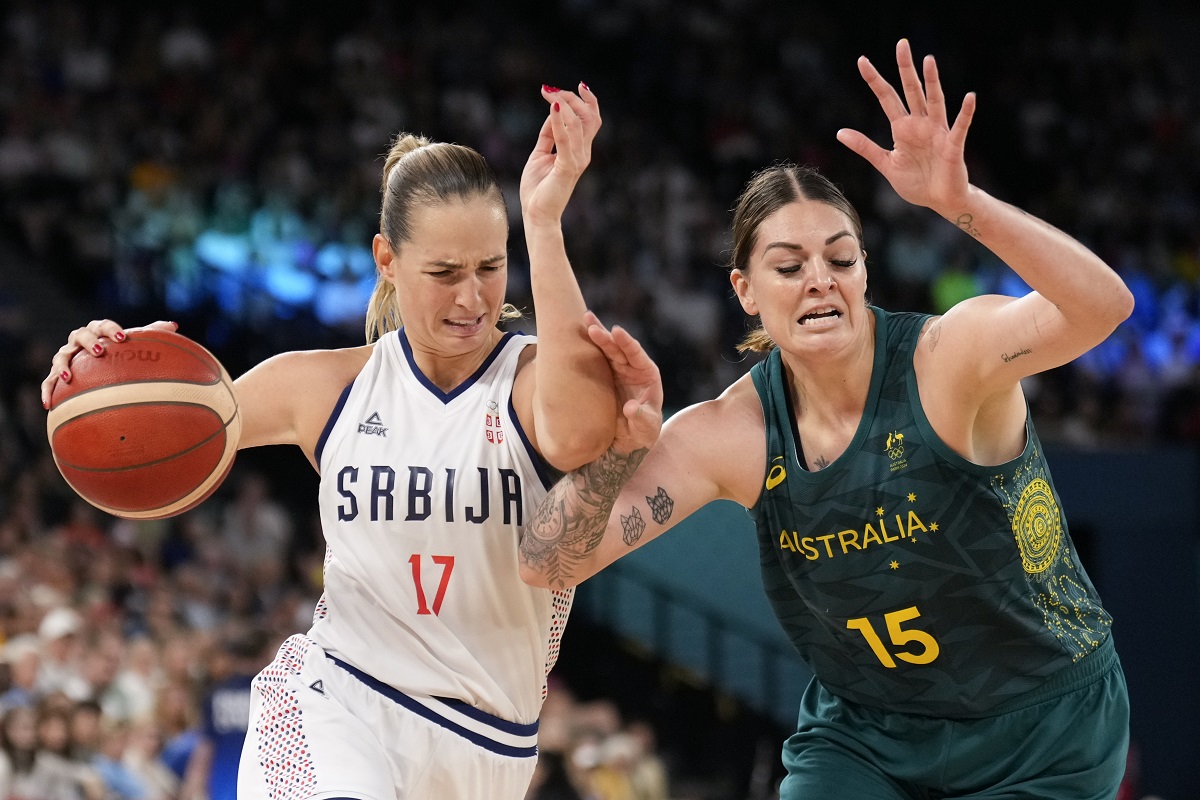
(908, 577)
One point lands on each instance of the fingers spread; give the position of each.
(914, 93)
(958, 134)
(889, 101)
(860, 144)
(933, 90)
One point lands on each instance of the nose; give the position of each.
(470, 290)
(820, 278)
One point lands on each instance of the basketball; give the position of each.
(147, 430)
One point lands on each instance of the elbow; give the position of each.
(1124, 304)
(1117, 308)
(567, 453)
(533, 577)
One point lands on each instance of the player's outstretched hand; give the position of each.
(563, 151)
(94, 338)
(638, 385)
(925, 165)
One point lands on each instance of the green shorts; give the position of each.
(1070, 746)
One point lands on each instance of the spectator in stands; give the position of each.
(213, 768)
(23, 656)
(26, 771)
(59, 633)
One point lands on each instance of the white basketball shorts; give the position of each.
(320, 728)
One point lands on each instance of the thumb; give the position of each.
(860, 144)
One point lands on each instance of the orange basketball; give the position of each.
(147, 430)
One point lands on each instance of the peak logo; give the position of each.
(373, 426)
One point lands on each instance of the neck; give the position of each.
(833, 388)
(448, 370)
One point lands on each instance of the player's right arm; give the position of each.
(286, 399)
(93, 338)
(633, 493)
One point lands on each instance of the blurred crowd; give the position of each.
(218, 165)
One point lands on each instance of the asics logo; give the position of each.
(775, 476)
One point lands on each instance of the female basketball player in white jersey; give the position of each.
(425, 668)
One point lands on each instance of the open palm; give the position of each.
(925, 166)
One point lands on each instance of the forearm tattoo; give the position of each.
(569, 524)
(967, 223)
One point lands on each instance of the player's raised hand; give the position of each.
(563, 151)
(925, 165)
(638, 384)
(92, 338)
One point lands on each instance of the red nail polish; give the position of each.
(97, 349)
(66, 376)
(46, 404)
(556, 106)
(585, 86)
(549, 89)
(119, 336)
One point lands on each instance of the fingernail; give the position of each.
(119, 336)
(46, 404)
(549, 89)
(556, 106)
(97, 349)
(66, 376)
(585, 86)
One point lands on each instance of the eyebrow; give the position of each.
(793, 246)
(457, 265)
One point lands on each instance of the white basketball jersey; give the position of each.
(423, 495)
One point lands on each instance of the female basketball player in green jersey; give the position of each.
(912, 542)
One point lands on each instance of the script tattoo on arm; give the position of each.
(569, 524)
(1013, 356)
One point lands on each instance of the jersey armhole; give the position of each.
(333, 417)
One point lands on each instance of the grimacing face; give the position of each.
(451, 275)
(806, 278)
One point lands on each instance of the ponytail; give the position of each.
(756, 341)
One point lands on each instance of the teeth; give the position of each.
(822, 314)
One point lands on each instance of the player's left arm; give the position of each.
(991, 342)
(983, 347)
(566, 401)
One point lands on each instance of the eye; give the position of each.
(788, 270)
(844, 264)
(441, 273)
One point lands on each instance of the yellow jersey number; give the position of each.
(899, 636)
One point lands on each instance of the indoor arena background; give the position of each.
(216, 164)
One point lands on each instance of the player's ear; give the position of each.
(741, 287)
(381, 248)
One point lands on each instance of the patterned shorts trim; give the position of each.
(492, 733)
